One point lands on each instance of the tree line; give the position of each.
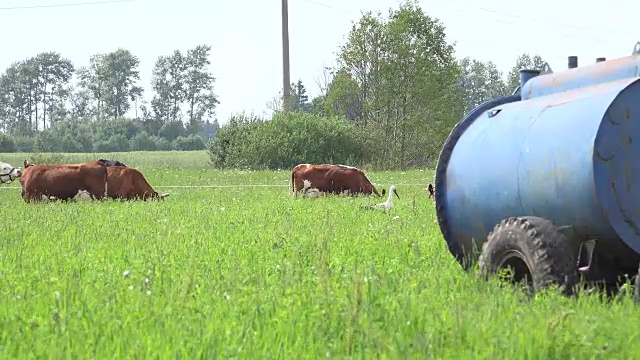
(393, 97)
(49, 104)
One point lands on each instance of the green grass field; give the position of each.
(253, 273)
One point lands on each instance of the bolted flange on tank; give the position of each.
(565, 149)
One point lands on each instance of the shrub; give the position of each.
(284, 141)
(7, 145)
(188, 143)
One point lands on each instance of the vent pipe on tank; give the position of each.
(526, 75)
(573, 62)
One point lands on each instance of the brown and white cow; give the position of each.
(91, 180)
(8, 173)
(129, 183)
(62, 181)
(334, 179)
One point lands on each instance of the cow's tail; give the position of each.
(293, 182)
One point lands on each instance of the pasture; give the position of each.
(250, 272)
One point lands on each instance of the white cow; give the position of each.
(8, 173)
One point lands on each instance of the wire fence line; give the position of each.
(221, 186)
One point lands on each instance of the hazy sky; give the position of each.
(245, 35)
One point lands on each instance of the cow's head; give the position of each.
(8, 173)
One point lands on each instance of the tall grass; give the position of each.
(142, 159)
(253, 273)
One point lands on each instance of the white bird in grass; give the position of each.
(387, 204)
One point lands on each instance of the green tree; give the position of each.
(480, 82)
(300, 97)
(168, 83)
(53, 74)
(16, 98)
(111, 80)
(122, 69)
(198, 90)
(401, 80)
(524, 61)
(344, 97)
(94, 85)
(32, 89)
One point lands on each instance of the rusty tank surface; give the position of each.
(546, 181)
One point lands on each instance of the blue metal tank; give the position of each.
(566, 149)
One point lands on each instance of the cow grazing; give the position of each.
(8, 173)
(335, 179)
(128, 183)
(62, 181)
(111, 162)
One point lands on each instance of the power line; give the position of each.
(476, 14)
(64, 5)
(533, 19)
(329, 6)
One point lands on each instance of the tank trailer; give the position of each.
(546, 181)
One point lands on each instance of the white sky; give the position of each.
(245, 35)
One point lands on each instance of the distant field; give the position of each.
(253, 273)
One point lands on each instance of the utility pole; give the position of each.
(286, 77)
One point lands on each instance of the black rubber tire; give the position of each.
(549, 255)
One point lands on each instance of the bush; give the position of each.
(115, 143)
(7, 145)
(188, 143)
(51, 158)
(284, 141)
(227, 147)
(24, 143)
(142, 142)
